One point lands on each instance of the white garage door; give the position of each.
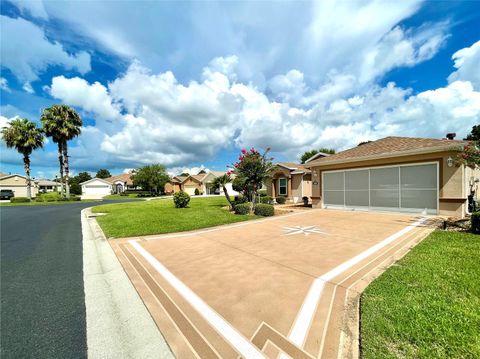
(190, 190)
(97, 190)
(409, 188)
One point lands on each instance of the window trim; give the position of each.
(280, 187)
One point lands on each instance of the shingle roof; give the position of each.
(294, 166)
(3, 174)
(389, 146)
(124, 177)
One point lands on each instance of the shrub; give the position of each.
(476, 222)
(264, 210)
(239, 200)
(49, 197)
(19, 200)
(242, 208)
(181, 199)
(281, 199)
(266, 200)
(262, 192)
(197, 192)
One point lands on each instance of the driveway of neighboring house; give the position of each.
(267, 287)
(42, 292)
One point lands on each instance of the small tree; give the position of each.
(474, 135)
(151, 178)
(221, 181)
(311, 153)
(25, 137)
(254, 168)
(468, 156)
(103, 173)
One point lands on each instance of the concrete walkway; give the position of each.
(284, 286)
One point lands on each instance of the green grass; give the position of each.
(33, 203)
(155, 217)
(117, 196)
(428, 304)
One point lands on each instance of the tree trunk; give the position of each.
(227, 196)
(67, 170)
(252, 207)
(60, 160)
(26, 165)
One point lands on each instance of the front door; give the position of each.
(119, 188)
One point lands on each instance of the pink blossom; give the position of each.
(268, 149)
(244, 152)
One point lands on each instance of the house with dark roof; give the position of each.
(403, 174)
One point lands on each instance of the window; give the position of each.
(282, 186)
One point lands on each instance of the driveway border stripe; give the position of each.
(237, 340)
(299, 330)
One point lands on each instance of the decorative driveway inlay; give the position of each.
(289, 231)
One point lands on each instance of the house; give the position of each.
(96, 188)
(45, 185)
(291, 180)
(121, 183)
(201, 182)
(18, 184)
(395, 174)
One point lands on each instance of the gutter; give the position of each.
(387, 155)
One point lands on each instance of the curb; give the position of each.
(118, 323)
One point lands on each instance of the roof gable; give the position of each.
(94, 179)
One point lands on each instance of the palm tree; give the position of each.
(62, 123)
(221, 181)
(25, 137)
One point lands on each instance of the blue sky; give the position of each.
(188, 84)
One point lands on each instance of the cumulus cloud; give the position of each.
(157, 119)
(27, 52)
(33, 7)
(467, 63)
(4, 84)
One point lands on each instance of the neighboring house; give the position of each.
(45, 185)
(291, 180)
(201, 182)
(121, 183)
(96, 188)
(395, 174)
(18, 184)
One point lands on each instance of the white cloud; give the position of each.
(34, 7)
(27, 87)
(4, 84)
(467, 63)
(26, 51)
(175, 171)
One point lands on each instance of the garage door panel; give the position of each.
(384, 198)
(416, 177)
(357, 198)
(334, 181)
(419, 199)
(356, 180)
(384, 179)
(334, 197)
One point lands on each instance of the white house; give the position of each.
(96, 188)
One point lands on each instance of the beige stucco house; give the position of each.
(18, 184)
(395, 174)
(202, 182)
(291, 180)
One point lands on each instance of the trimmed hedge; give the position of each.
(264, 210)
(475, 222)
(281, 199)
(19, 200)
(239, 200)
(181, 199)
(266, 200)
(49, 197)
(242, 208)
(262, 192)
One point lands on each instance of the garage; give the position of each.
(408, 188)
(96, 188)
(190, 190)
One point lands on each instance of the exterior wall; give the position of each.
(96, 189)
(169, 187)
(295, 190)
(452, 183)
(190, 185)
(18, 185)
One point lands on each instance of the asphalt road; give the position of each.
(42, 296)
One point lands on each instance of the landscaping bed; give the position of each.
(428, 304)
(156, 217)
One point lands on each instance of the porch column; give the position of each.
(289, 187)
(273, 188)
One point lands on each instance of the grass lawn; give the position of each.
(117, 196)
(428, 304)
(154, 217)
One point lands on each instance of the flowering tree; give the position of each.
(469, 156)
(253, 169)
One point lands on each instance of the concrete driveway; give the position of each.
(278, 286)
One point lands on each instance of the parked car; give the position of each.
(6, 194)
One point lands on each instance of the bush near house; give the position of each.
(476, 222)
(243, 208)
(262, 192)
(266, 200)
(181, 199)
(239, 200)
(264, 210)
(49, 197)
(281, 199)
(19, 200)
(197, 192)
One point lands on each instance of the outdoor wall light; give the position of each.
(450, 162)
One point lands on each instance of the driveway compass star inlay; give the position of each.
(302, 230)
